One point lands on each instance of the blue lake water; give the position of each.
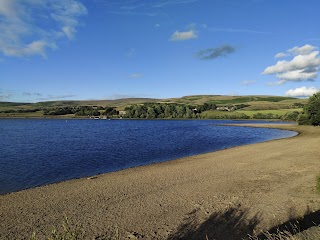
(35, 152)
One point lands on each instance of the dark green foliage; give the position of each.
(20, 110)
(249, 99)
(165, 110)
(240, 106)
(311, 113)
(206, 107)
(78, 111)
(303, 119)
(12, 104)
(58, 111)
(265, 116)
(110, 111)
(273, 99)
(228, 116)
(86, 111)
(290, 116)
(298, 105)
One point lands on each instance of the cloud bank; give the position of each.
(304, 66)
(302, 92)
(213, 53)
(32, 27)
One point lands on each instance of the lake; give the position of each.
(36, 152)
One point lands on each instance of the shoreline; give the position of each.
(153, 200)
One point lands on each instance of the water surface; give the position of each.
(35, 152)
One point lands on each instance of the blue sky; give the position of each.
(109, 49)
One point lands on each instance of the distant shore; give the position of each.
(267, 181)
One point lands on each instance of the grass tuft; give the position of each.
(67, 231)
(318, 184)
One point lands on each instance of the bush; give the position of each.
(290, 116)
(303, 119)
(311, 114)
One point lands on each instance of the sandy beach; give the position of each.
(224, 195)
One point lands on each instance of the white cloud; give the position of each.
(303, 67)
(136, 75)
(32, 27)
(280, 55)
(304, 50)
(183, 36)
(297, 75)
(299, 62)
(302, 92)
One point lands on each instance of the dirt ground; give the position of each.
(226, 194)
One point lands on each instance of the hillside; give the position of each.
(252, 104)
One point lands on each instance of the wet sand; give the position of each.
(232, 191)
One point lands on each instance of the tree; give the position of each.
(167, 112)
(151, 113)
(311, 113)
(290, 116)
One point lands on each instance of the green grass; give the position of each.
(279, 112)
(250, 99)
(318, 184)
(12, 104)
(37, 114)
(213, 114)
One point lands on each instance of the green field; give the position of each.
(253, 105)
(279, 112)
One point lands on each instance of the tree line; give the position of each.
(167, 110)
(81, 111)
(309, 116)
(21, 110)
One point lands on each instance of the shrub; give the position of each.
(290, 116)
(311, 114)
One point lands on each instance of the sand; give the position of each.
(225, 195)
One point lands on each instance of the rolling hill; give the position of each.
(253, 104)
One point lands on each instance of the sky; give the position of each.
(111, 49)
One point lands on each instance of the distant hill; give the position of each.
(255, 102)
(248, 105)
